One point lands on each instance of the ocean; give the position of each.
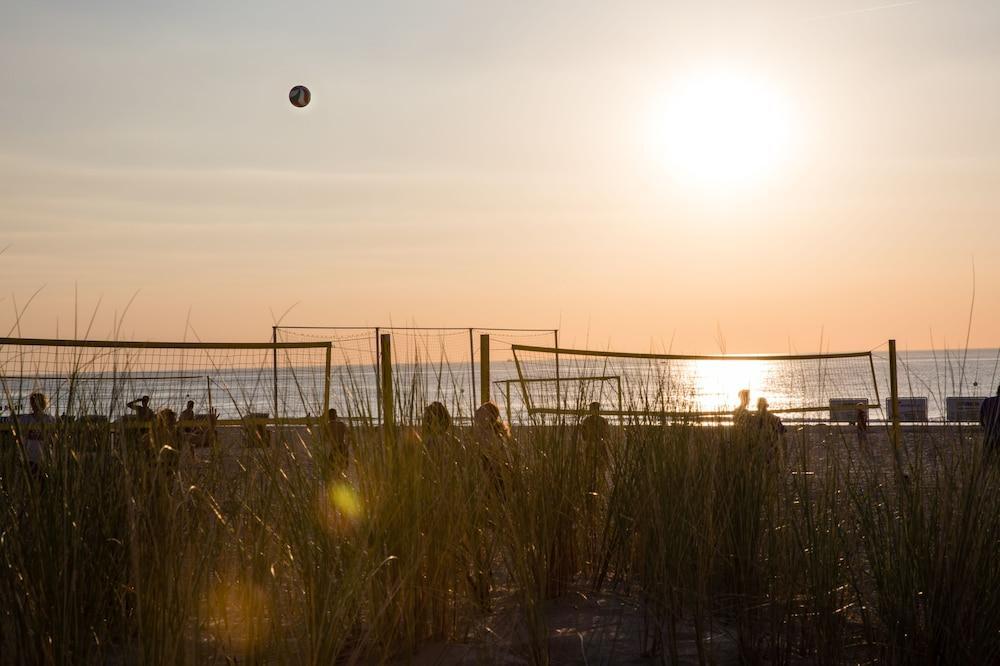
(799, 389)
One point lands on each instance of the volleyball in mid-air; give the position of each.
(299, 96)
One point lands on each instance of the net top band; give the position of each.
(690, 357)
(107, 344)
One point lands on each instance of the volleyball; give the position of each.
(299, 96)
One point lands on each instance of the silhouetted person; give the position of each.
(487, 426)
(596, 434)
(187, 414)
(989, 418)
(493, 436)
(167, 418)
(594, 428)
(435, 429)
(770, 431)
(339, 435)
(861, 423)
(741, 415)
(33, 427)
(141, 408)
(166, 428)
(766, 420)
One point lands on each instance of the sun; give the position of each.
(722, 130)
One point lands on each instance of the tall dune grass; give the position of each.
(137, 549)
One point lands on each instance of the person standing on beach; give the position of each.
(492, 436)
(770, 432)
(141, 408)
(741, 415)
(767, 421)
(861, 423)
(596, 434)
(340, 447)
(989, 418)
(594, 427)
(33, 428)
(435, 429)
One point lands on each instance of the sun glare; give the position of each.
(722, 130)
(721, 381)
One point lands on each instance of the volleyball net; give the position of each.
(99, 380)
(555, 381)
(428, 364)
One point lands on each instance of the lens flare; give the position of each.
(339, 507)
(238, 614)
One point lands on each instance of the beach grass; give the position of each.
(135, 548)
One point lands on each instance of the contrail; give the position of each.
(863, 10)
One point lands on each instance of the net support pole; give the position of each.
(555, 337)
(326, 384)
(378, 378)
(484, 368)
(211, 409)
(388, 409)
(274, 356)
(894, 396)
(472, 369)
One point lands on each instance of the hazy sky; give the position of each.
(466, 163)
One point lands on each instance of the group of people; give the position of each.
(143, 412)
(435, 432)
(488, 427)
(761, 421)
(33, 424)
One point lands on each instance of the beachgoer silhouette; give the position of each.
(166, 427)
(861, 422)
(187, 414)
(596, 435)
(741, 415)
(487, 426)
(594, 428)
(989, 418)
(493, 437)
(141, 408)
(33, 427)
(766, 420)
(339, 436)
(770, 431)
(435, 429)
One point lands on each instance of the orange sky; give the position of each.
(472, 166)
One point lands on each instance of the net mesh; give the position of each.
(428, 364)
(99, 379)
(937, 377)
(564, 381)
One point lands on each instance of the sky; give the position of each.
(503, 164)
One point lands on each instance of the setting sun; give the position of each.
(721, 129)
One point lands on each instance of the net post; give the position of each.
(326, 381)
(507, 388)
(871, 363)
(555, 336)
(388, 410)
(274, 355)
(378, 377)
(484, 368)
(472, 369)
(894, 397)
(211, 409)
(520, 379)
(621, 404)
